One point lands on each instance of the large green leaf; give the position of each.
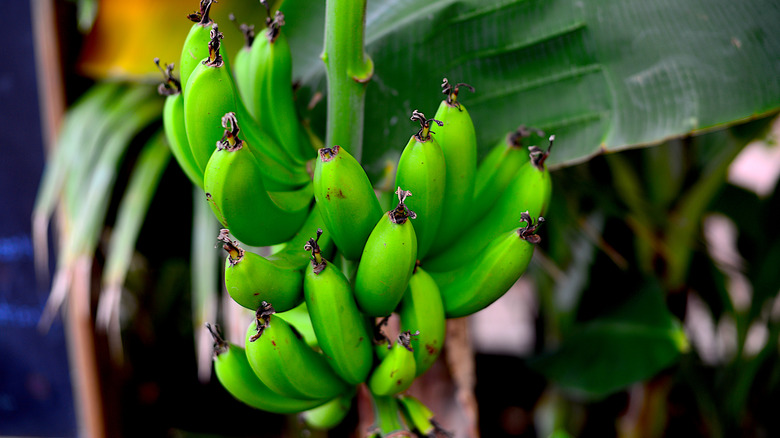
(602, 75)
(632, 343)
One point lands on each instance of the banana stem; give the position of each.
(348, 71)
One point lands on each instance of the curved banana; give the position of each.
(294, 254)
(419, 417)
(235, 189)
(299, 318)
(387, 262)
(348, 204)
(458, 141)
(342, 330)
(476, 285)
(396, 372)
(236, 376)
(251, 279)
(422, 171)
(173, 125)
(271, 99)
(529, 191)
(242, 72)
(195, 47)
(283, 361)
(329, 415)
(211, 93)
(499, 168)
(422, 310)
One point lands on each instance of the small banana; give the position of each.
(293, 255)
(235, 189)
(299, 318)
(211, 93)
(270, 91)
(236, 376)
(284, 362)
(422, 311)
(347, 201)
(342, 330)
(396, 372)
(242, 72)
(195, 47)
(499, 168)
(329, 415)
(419, 417)
(388, 261)
(251, 279)
(488, 276)
(458, 141)
(173, 125)
(422, 171)
(529, 191)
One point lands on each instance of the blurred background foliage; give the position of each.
(656, 284)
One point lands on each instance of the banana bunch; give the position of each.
(460, 234)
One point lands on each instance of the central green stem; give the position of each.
(348, 71)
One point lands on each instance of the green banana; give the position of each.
(529, 191)
(173, 125)
(348, 204)
(329, 415)
(236, 376)
(284, 362)
(211, 93)
(422, 171)
(299, 318)
(293, 255)
(419, 417)
(458, 142)
(488, 276)
(388, 261)
(498, 169)
(235, 189)
(422, 310)
(396, 372)
(195, 47)
(270, 93)
(342, 331)
(242, 72)
(251, 279)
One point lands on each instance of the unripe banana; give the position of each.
(299, 318)
(458, 141)
(235, 189)
(271, 99)
(293, 255)
(419, 417)
(251, 279)
(347, 200)
(283, 361)
(195, 47)
(342, 330)
(422, 310)
(499, 168)
(209, 95)
(242, 72)
(236, 376)
(487, 277)
(529, 191)
(329, 415)
(173, 125)
(422, 171)
(396, 372)
(388, 261)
